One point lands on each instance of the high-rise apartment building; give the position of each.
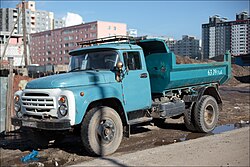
(52, 47)
(37, 20)
(8, 17)
(240, 35)
(215, 37)
(220, 35)
(187, 46)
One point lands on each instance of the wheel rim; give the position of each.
(209, 114)
(106, 131)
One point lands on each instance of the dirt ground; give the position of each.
(69, 151)
(232, 150)
(235, 95)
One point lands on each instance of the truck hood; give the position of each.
(71, 79)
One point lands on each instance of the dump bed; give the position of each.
(165, 74)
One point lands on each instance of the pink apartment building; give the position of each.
(52, 47)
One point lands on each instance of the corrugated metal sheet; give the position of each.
(3, 95)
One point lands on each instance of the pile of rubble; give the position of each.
(239, 74)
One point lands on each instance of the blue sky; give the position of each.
(169, 18)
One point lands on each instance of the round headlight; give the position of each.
(63, 109)
(17, 107)
(17, 98)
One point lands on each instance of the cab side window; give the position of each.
(132, 60)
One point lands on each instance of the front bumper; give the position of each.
(42, 124)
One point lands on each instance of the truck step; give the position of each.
(140, 120)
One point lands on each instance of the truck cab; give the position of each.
(116, 82)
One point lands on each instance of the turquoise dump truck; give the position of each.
(116, 82)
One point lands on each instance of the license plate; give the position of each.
(29, 124)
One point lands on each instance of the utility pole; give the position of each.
(24, 35)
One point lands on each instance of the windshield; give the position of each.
(104, 60)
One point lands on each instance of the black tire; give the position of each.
(206, 114)
(101, 131)
(159, 122)
(189, 118)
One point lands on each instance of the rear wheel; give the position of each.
(206, 114)
(101, 131)
(189, 118)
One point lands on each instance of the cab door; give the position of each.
(136, 84)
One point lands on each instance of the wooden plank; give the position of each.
(9, 111)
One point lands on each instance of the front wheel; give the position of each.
(206, 114)
(101, 131)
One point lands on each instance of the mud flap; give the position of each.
(126, 131)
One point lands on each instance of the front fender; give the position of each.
(94, 93)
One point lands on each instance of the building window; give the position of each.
(71, 37)
(93, 27)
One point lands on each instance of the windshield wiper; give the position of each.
(74, 69)
(91, 68)
(79, 69)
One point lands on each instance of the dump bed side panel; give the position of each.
(165, 74)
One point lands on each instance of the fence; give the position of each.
(3, 106)
(6, 100)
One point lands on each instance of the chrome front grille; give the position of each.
(37, 102)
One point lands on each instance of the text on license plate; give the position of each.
(29, 124)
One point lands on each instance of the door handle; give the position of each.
(144, 75)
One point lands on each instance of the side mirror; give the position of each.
(119, 73)
(119, 65)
